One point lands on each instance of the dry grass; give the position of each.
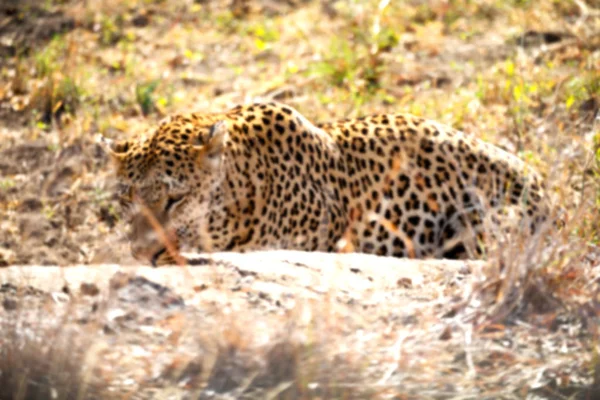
(42, 356)
(521, 74)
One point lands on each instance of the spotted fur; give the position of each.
(264, 177)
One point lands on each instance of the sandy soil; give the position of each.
(79, 318)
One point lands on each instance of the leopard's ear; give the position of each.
(217, 137)
(211, 151)
(116, 149)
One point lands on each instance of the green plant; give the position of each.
(581, 88)
(57, 90)
(264, 34)
(520, 3)
(49, 211)
(111, 29)
(144, 96)
(597, 165)
(225, 21)
(340, 66)
(354, 59)
(6, 184)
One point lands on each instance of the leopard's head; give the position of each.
(167, 182)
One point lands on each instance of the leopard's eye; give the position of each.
(172, 201)
(124, 191)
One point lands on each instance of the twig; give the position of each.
(468, 340)
(160, 231)
(396, 351)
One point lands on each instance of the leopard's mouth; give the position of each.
(156, 255)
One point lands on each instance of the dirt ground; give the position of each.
(279, 325)
(133, 62)
(521, 74)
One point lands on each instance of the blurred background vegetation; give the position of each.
(521, 74)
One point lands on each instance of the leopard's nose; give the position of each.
(140, 252)
(145, 246)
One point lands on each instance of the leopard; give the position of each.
(261, 176)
